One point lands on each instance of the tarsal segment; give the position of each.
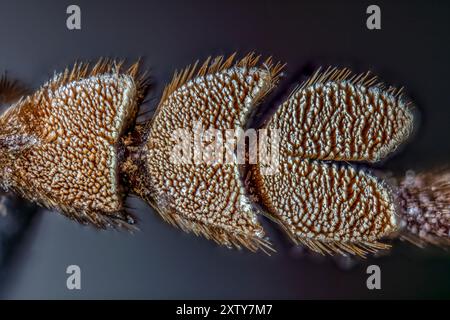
(200, 196)
(58, 146)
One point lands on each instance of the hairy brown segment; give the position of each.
(58, 145)
(205, 198)
(339, 116)
(327, 207)
(425, 207)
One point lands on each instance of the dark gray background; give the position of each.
(412, 49)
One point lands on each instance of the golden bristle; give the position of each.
(11, 90)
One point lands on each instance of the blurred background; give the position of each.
(412, 50)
